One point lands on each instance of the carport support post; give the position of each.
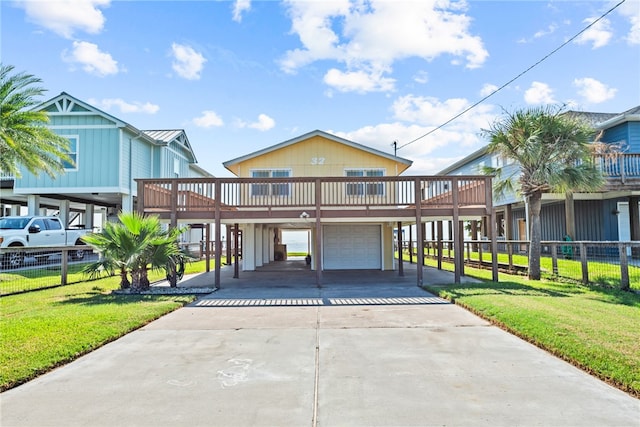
(318, 254)
(218, 232)
(419, 236)
(400, 262)
(457, 250)
(236, 250)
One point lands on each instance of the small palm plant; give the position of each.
(133, 246)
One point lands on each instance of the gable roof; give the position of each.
(67, 104)
(165, 137)
(311, 134)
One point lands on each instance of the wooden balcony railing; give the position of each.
(195, 195)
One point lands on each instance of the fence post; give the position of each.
(624, 266)
(510, 250)
(64, 267)
(583, 260)
(554, 258)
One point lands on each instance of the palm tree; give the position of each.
(24, 138)
(552, 155)
(133, 246)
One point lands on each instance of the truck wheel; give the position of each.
(13, 259)
(79, 254)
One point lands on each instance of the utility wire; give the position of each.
(512, 80)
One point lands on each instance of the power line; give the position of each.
(513, 79)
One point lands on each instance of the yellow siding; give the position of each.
(318, 156)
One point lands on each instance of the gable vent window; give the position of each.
(365, 188)
(270, 189)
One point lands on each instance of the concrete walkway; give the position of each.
(372, 351)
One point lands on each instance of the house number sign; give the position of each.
(317, 160)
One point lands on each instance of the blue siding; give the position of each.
(97, 159)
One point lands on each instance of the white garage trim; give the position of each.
(352, 247)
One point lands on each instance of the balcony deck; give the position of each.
(233, 200)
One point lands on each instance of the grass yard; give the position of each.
(45, 329)
(592, 327)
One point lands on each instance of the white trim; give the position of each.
(72, 190)
(83, 127)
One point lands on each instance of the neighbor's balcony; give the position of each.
(620, 169)
(389, 197)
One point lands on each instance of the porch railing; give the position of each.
(201, 194)
(619, 166)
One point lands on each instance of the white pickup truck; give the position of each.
(36, 231)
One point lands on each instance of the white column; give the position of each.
(88, 216)
(127, 203)
(33, 204)
(64, 208)
(248, 248)
(271, 244)
(258, 247)
(265, 244)
(15, 210)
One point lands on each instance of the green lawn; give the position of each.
(44, 329)
(595, 328)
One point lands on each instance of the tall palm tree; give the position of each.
(133, 246)
(24, 138)
(552, 155)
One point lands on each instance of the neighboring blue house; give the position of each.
(609, 215)
(109, 154)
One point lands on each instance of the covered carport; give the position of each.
(321, 204)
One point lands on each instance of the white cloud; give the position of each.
(64, 17)
(358, 81)
(594, 91)
(126, 107)
(630, 11)
(488, 89)
(416, 116)
(549, 30)
(187, 62)
(91, 59)
(368, 37)
(421, 77)
(240, 6)
(539, 93)
(599, 35)
(208, 119)
(264, 123)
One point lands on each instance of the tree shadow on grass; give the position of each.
(543, 289)
(500, 288)
(97, 296)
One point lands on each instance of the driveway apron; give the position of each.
(377, 353)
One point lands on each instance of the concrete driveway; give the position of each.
(383, 353)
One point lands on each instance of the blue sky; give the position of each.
(240, 76)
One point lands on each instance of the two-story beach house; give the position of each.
(109, 154)
(611, 214)
(349, 196)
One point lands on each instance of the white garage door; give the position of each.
(351, 247)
